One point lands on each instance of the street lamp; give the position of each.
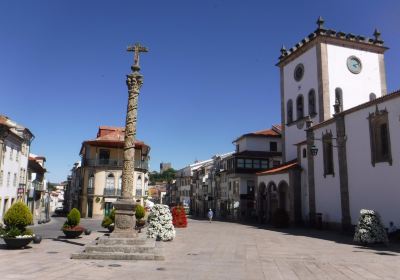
(314, 150)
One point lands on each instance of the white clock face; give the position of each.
(354, 64)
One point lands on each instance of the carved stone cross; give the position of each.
(136, 48)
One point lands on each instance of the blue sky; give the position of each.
(209, 77)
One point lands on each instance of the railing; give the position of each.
(104, 162)
(112, 191)
(114, 163)
(90, 191)
(37, 186)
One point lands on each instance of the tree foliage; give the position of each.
(166, 176)
(18, 216)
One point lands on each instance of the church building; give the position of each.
(340, 132)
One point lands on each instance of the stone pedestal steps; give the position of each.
(106, 248)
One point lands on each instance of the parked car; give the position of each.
(59, 211)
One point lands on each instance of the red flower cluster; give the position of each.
(179, 217)
(75, 228)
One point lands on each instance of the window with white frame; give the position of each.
(110, 181)
(139, 186)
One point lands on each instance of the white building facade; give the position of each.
(340, 131)
(14, 151)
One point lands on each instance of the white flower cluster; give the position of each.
(25, 236)
(370, 229)
(160, 223)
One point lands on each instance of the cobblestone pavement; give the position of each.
(217, 250)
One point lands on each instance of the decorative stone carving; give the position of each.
(124, 214)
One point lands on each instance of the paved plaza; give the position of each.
(203, 250)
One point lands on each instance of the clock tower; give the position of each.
(325, 68)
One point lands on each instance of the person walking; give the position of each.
(210, 215)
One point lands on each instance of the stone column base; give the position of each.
(124, 219)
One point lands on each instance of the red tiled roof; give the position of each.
(109, 136)
(3, 120)
(281, 169)
(275, 131)
(266, 132)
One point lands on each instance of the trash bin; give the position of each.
(318, 221)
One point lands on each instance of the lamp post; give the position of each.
(125, 205)
(314, 150)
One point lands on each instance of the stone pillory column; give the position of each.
(125, 206)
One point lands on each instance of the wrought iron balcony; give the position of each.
(103, 162)
(112, 192)
(37, 186)
(112, 162)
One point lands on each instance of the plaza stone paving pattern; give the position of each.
(217, 250)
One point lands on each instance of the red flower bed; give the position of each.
(179, 217)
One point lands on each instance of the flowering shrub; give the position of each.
(370, 229)
(179, 219)
(160, 223)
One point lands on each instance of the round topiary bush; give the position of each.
(18, 216)
(74, 217)
(139, 212)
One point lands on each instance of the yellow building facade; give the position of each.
(102, 160)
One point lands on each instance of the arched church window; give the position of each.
(311, 103)
(300, 107)
(372, 96)
(289, 109)
(339, 98)
(304, 153)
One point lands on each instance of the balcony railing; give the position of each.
(37, 186)
(114, 163)
(112, 192)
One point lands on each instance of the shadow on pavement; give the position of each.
(69, 241)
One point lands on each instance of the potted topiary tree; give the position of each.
(16, 219)
(139, 214)
(108, 221)
(71, 227)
